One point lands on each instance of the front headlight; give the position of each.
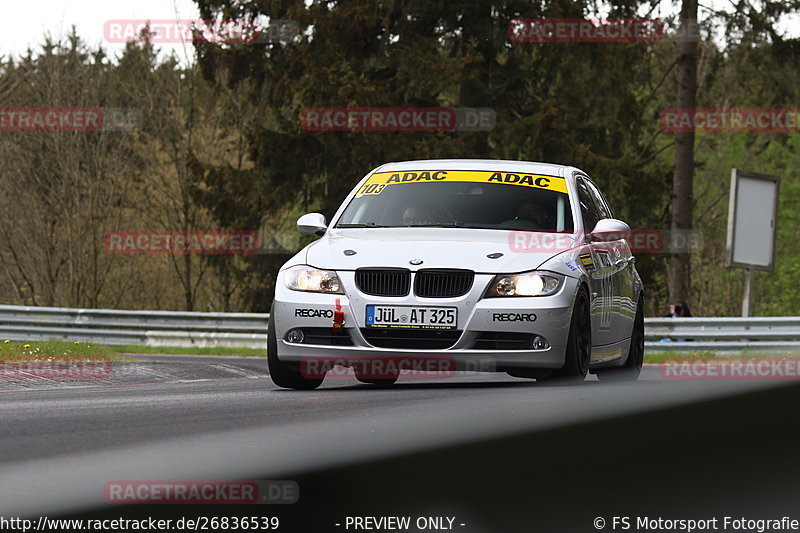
(527, 284)
(310, 279)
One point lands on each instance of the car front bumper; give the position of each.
(478, 343)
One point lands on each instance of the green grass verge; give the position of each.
(54, 350)
(176, 350)
(678, 355)
(661, 357)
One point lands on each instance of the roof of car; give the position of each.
(528, 167)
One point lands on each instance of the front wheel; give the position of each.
(281, 373)
(579, 344)
(633, 366)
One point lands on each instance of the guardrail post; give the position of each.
(748, 282)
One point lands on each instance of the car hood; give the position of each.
(435, 247)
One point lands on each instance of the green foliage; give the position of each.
(748, 76)
(222, 146)
(581, 104)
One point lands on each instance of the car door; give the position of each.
(620, 260)
(600, 274)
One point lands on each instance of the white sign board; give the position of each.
(752, 218)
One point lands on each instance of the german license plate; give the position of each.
(412, 317)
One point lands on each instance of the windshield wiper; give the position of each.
(447, 225)
(365, 225)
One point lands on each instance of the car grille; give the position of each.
(443, 283)
(500, 340)
(383, 282)
(422, 339)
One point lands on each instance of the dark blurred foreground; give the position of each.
(728, 457)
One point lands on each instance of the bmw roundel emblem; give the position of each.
(416, 261)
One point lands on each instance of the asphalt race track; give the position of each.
(499, 453)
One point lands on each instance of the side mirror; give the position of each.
(610, 229)
(312, 224)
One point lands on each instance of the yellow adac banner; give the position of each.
(377, 183)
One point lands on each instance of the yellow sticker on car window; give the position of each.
(377, 183)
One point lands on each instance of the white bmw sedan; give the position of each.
(462, 264)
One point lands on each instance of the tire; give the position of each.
(579, 344)
(633, 366)
(282, 374)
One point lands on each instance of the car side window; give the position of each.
(599, 201)
(589, 211)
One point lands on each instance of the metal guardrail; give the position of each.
(728, 333)
(181, 328)
(148, 328)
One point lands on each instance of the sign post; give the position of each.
(752, 219)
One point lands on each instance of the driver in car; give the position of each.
(530, 216)
(417, 215)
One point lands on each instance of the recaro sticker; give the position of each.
(377, 183)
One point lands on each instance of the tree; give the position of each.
(58, 189)
(581, 103)
(682, 204)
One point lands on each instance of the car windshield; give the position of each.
(470, 199)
